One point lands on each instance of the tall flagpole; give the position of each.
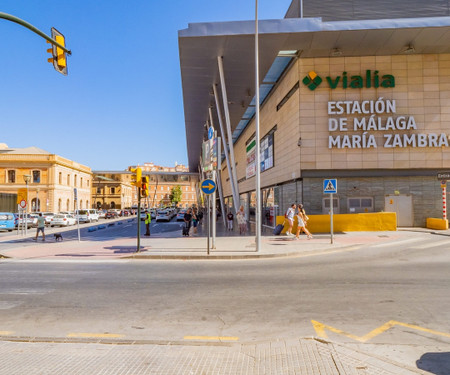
(258, 156)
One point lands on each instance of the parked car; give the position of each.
(22, 220)
(48, 217)
(153, 214)
(124, 213)
(34, 219)
(180, 215)
(86, 216)
(62, 220)
(111, 214)
(7, 220)
(101, 214)
(163, 216)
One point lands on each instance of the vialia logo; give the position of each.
(312, 80)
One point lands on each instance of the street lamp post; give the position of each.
(38, 206)
(27, 179)
(257, 151)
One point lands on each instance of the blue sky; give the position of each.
(121, 103)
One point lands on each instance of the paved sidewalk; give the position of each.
(299, 357)
(195, 247)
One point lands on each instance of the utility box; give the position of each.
(402, 206)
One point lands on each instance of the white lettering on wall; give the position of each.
(371, 117)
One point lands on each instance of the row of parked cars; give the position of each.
(10, 221)
(165, 214)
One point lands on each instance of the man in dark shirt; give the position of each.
(187, 219)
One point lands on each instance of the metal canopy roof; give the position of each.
(201, 44)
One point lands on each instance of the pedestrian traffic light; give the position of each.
(144, 186)
(59, 57)
(136, 178)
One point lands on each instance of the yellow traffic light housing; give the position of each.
(136, 178)
(59, 57)
(144, 186)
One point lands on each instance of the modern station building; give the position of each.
(354, 90)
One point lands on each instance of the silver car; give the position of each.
(63, 220)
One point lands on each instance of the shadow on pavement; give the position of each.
(435, 363)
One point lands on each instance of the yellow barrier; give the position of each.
(440, 224)
(364, 222)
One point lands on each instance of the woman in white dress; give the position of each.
(301, 226)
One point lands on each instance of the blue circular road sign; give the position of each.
(208, 186)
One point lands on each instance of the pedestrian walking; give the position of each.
(230, 218)
(194, 219)
(242, 220)
(302, 221)
(148, 220)
(40, 227)
(187, 222)
(290, 213)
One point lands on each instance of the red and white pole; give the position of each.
(444, 199)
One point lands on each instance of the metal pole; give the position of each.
(209, 223)
(139, 222)
(78, 219)
(234, 188)
(228, 123)
(258, 156)
(25, 219)
(331, 218)
(214, 213)
(29, 26)
(444, 199)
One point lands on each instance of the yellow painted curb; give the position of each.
(439, 224)
(363, 222)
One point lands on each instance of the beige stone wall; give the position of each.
(49, 190)
(286, 152)
(422, 90)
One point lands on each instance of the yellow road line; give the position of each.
(6, 333)
(320, 330)
(216, 338)
(94, 335)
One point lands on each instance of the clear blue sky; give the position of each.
(121, 103)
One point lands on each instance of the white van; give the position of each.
(86, 216)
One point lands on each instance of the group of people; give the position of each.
(302, 220)
(192, 217)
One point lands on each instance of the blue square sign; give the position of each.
(330, 186)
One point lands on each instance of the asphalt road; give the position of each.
(348, 296)
(253, 300)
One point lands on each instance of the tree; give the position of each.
(176, 194)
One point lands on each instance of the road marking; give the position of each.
(390, 243)
(216, 338)
(432, 244)
(95, 335)
(6, 333)
(320, 330)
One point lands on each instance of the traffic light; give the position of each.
(59, 56)
(144, 186)
(136, 178)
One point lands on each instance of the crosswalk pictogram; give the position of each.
(330, 186)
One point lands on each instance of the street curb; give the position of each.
(295, 254)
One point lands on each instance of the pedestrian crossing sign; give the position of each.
(330, 186)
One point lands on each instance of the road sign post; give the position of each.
(208, 187)
(330, 187)
(75, 197)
